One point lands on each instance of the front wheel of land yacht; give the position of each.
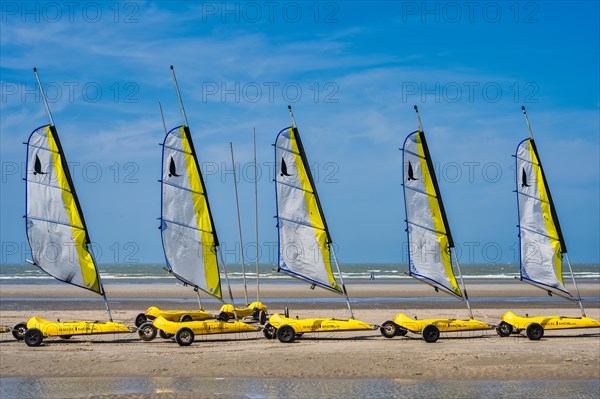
(504, 329)
(140, 319)
(389, 329)
(223, 316)
(33, 337)
(534, 331)
(164, 335)
(18, 330)
(430, 333)
(184, 336)
(147, 331)
(286, 334)
(262, 317)
(269, 331)
(185, 318)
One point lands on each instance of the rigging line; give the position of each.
(432, 283)
(56, 222)
(300, 223)
(307, 279)
(412, 153)
(177, 149)
(42, 148)
(256, 216)
(576, 287)
(341, 280)
(427, 228)
(420, 191)
(537, 232)
(295, 187)
(162, 116)
(286, 149)
(462, 283)
(228, 285)
(49, 185)
(418, 118)
(527, 160)
(532, 197)
(181, 187)
(186, 226)
(556, 291)
(237, 205)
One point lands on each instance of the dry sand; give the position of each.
(482, 355)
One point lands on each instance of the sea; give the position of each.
(156, 273)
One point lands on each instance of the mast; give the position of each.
(554, 215)
(237, 205)
(181, 108)
(68, 175)
(256, 216)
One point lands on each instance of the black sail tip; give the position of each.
(523, 108)
(289, 107)
(171, 67)
(34, 69)
(416, 108)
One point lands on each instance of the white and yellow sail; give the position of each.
(55, 226)
(541, 240)
(304, 241)
(188, 232)
(429, 237)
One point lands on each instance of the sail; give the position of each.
(541, 240)
(429, 237)
(55, 227)
(188, 232)
(303, 235)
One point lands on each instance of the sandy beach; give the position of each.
(481, 355)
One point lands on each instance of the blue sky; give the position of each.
(352, 72)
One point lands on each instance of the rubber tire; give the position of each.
(389, 329)
(223, 316)
(430, 333)
(164, 335)
(185, 318)
(262, 317)
(147, 331)
(534, 331)
(140, 319)
(65, 336)
(184, 336)
(401, 332)
(18, 330)
(33, 337)
(504, 329)
(286, 334)
(269, 331)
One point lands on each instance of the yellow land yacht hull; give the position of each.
(38, 328)
(429, 328)
(184, 332)
(252, 310)
(535, 326)
(177, 315)
(287, 329)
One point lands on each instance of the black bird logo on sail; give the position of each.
(411, 173)
(172, 169)
(524, 179)
(37, 167)
(284, 171)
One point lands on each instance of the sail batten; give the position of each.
(55, 226)
(541, 243)
(188, 234)
(304, 240)
(429, 236)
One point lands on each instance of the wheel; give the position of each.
(286, 334)
(140, 319)
(389, 329)
(269, 331)
(184, 336)
(504, 329)
(185, 318)
(401, 331)
(65, 336)
(33, 337)
(165, 335)
(430, 333)
(18, 330)
(534, 331)
(262, 317)
(147, 331)
(286, 312)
